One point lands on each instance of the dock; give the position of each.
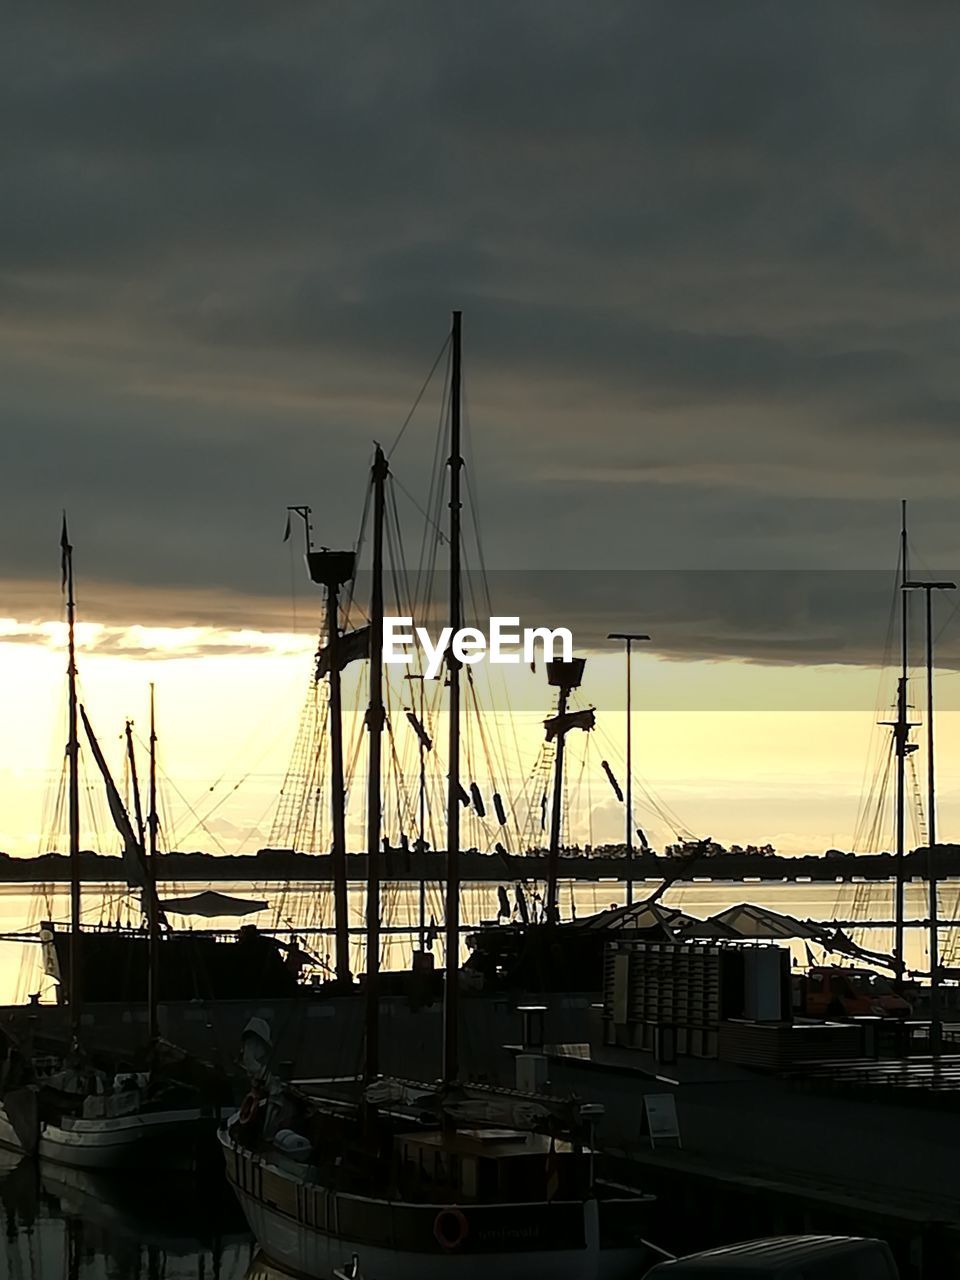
(851, 1147)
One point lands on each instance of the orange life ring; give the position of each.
(461, 1226)
(248, 1107)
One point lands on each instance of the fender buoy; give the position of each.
(450, 1228)
(248, 1108)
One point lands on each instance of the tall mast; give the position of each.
(451, 991)
(934, 915)
(375, 721)
(153, 902)
(417, 678)
(556, 819)
(75, 992)
(901, 734)
(422, 894)
(331, 569)
(337, 791)
(935, 1025)
(565, 676)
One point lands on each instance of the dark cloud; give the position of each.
(708, 258)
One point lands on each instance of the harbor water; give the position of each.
(69, 1224)
(307, 909)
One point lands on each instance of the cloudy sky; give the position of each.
(708, 260)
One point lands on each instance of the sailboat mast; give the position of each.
(75, 992)
(341, 905)
(422, 895)
(331, 569)
(556, 816)
(375, 722)
(901, 733)
(928, 589)
(416, 678)
(451, 992)
(153, 903)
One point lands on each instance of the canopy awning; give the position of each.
(209, 903)
(643, 916)
(706, 931)
(750, 921)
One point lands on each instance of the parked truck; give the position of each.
(836, 992)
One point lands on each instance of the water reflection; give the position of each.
(261, 1269)
(68, 1224)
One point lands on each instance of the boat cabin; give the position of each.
(489, 1165)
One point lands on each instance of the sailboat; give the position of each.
(551, 954)
(205, 965)
(423, 1178)
(95, 1111)
(119, 965)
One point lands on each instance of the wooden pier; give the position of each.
(855, 1147)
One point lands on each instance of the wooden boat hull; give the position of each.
(159, 1140)
(192, 966)
(311, 1231)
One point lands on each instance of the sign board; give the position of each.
(660, 1111)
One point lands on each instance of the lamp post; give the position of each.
(935, 1025)
(629, 637)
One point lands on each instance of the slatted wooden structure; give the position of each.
(917, 1081)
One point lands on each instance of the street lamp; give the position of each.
(629, 637)
(935, 1024)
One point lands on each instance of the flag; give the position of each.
(553, 1170)
(65, 549)
(350, 647)
(557, 725)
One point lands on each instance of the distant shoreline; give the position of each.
(278, 865)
